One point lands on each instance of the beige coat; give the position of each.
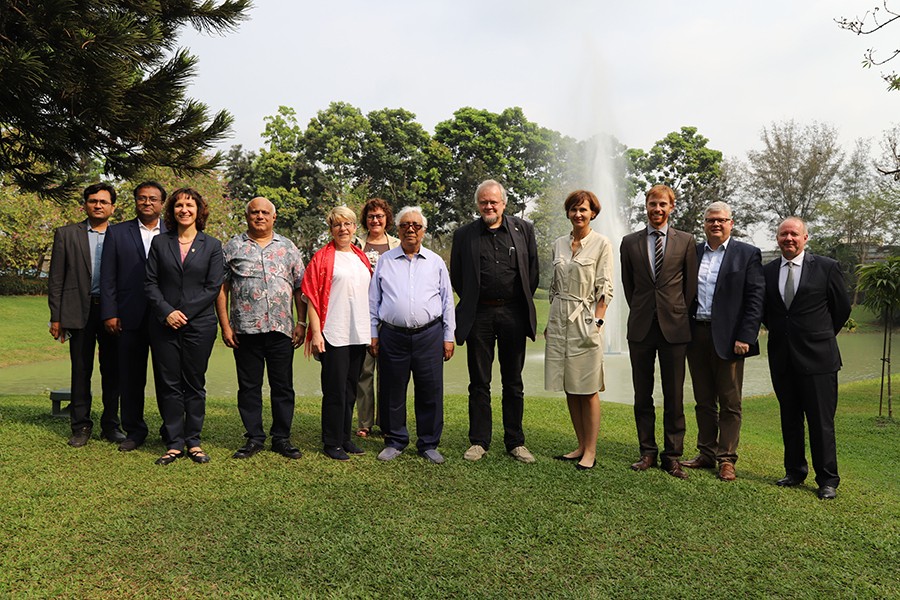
(573, 360)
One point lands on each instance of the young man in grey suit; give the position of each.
(659, 279)
(73, 293)
(806, 306)
(123, 304)
(725, 324)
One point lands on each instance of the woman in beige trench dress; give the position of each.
(579, 294)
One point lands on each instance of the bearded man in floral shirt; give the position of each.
(263, 272)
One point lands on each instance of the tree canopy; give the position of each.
(101, 79)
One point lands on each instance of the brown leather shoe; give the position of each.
(645, 463)
(698, 462)
(673, 468)
(726, 472)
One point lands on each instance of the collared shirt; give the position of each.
(499, 267)
(782, 272)
(707, 276)
(147, 235)
(411, 292)
(262, 281)
(651, 243)
(95, 243)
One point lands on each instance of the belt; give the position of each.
(95, 299)
(411, 330)
(704, 323)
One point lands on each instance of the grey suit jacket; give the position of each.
(666, 299)
(69, 284)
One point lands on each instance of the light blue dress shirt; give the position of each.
(411, 292)
(707, 276)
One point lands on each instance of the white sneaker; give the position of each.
(521, 454)
(475, 452)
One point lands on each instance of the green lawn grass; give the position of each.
(96, 523)
(24, 335)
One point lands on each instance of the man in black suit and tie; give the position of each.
(494, 270)
(123, 305)
(73, 293)
(806, 306)
(659, 279)
(725, 327)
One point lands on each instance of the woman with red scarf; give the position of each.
(336, 287)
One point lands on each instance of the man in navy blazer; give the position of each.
(123, 304)
(659, 279)
(73, 293)
(806, 306)
(494, 270)
(725, 329)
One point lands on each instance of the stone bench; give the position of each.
(57, 397)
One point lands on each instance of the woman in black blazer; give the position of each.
(184, 273)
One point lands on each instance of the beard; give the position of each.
(490, 220)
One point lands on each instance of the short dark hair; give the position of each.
(579, 196)
(97, 187)
(202, 208)
(375, 203)
(151, 183)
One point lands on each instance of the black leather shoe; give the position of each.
(582, 467)
(247, 450)
(564, 457)
(80, 437)
(827, 492)
(351, 448)
(113, 435)
(286, 450)
(168, 458)
(788, 481)
(128, 445)
(335, 452)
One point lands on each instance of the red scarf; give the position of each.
(317, 278)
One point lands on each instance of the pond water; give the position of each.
(861, 354)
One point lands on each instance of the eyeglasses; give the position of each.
(376, 217)
(344, 225)
(147, 199)
(414, 226)
(717, 221)
(487, 203)
(98, 202)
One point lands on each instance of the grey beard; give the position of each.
(490, 220)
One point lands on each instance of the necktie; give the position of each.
(658, 255)
(789, 285)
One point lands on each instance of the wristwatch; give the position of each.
(599, 322)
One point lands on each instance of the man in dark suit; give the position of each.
(659, 278)
(725, 327)
(73, 293)
(806, 306)
(494, 270)
(123, 305)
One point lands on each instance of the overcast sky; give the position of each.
(636, 69)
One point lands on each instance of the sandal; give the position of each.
(169, 457)
(198, 456)
(363, 433)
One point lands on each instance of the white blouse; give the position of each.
(347, 319)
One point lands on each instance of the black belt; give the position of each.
(704, 323)
(410, 330)
(95, 299)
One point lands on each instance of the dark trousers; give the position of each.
(181, 359)
(340, 376)
(134, 350)
(671, 368)
(816, 397)
(82, 346)
(272, 351)
(505, 326)
(421, 354)
(717, 389)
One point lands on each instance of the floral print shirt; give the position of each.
(262, 281)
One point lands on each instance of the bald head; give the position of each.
(791, 237)
(260, 218)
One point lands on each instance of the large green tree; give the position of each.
(103, 79)
(683, 161)
(796, 170)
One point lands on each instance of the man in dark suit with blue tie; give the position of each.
(73, 293)
(806, 306)
(725, 328)
(123, 305)
(659, 279)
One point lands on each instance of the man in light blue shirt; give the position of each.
(413, 324)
